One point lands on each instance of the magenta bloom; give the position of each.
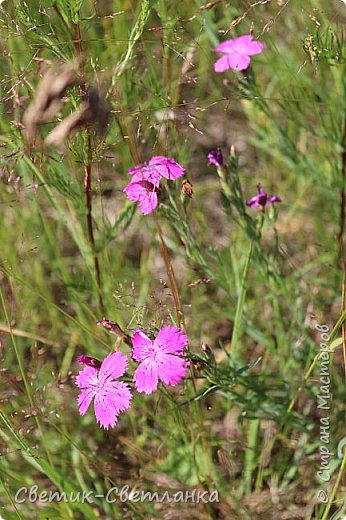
(145, 182)
(262, 199)
(143, 172)
(161, 359)
(145, 193)
(215, 157)
(110, 397)
(237, 53)
(166, 167)
(157, 167)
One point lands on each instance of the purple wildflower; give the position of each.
(215, 157)
(161, 359)
(237, 53)
(110, 397)
(262, 199)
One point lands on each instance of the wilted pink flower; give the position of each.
(110, 397)
(161, 359)
(262, 199)
(145, 182)
(237, 53)
(89, 361)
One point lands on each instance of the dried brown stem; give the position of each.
(181, 323)
(171, 276)
(87, 172)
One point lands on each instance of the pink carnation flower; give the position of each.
(237, 53)
(166, 167)
(161, 359)
(145, 193)
(157, 167)
(145, 182)
(143, 172)
(110, 397)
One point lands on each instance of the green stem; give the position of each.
(241, 301)
(23, 375)
(316, 358)
(335, 488)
